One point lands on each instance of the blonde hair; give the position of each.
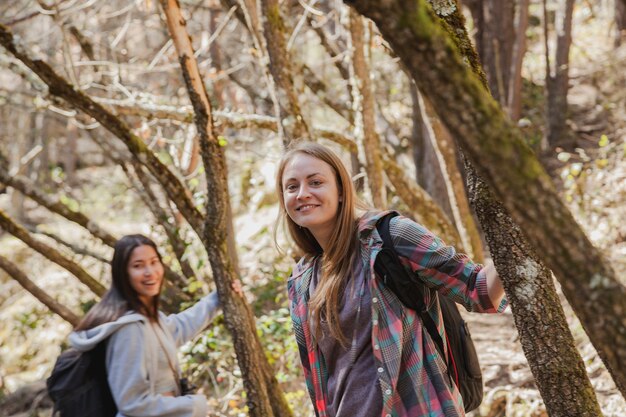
(336, 266)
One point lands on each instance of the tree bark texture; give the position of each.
(40, 294)
(274, 31)
(52, 254)
(264, 397)
(557, 78)
(496, 148)
(366, 127)
(59, 87)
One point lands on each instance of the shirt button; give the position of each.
(376, 347)
(380, 370)
(375, 322)
(374, 300)
(388, 392)
(387, 415)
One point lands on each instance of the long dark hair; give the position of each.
(121, 297)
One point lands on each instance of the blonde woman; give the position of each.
(364, 353)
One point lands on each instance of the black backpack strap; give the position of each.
(408, 289)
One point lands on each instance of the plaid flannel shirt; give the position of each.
(411, 372)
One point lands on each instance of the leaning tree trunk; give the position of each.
(264, 397)
(556, 365)
(496, 148)
(557, 78)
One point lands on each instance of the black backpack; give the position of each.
(462, 360)
(78, 384)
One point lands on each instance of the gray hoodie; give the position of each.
(132, 359)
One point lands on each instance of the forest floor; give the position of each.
(590, 172)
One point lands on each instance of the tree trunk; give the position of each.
(40, 294)
(264, 397)
(620, 21)
(557, 78)
(450, 192)
(280, 67)
(69, 156)
(495, 37)
(428, 171)
(365, 124)
(558, 368)
(514, 100)
(497, 150)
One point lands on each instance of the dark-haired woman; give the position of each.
(363, 352)
(141, 342)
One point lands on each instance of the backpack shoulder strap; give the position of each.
(417, 298)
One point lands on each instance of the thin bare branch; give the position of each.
(40, 294)
(52, 254)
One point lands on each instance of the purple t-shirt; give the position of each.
(353, 387)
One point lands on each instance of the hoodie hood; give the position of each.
(85, 340)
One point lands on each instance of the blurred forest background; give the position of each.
(98, 139)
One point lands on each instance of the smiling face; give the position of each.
(145, 272)
(311, 195)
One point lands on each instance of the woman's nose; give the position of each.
(303, 192)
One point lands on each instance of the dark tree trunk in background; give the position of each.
(495, 37)
(68, 153)
(557, 75)
(514, 93)
(427, 169)
(620, 21)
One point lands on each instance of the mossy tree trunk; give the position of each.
(497, 150)
(264, 397)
